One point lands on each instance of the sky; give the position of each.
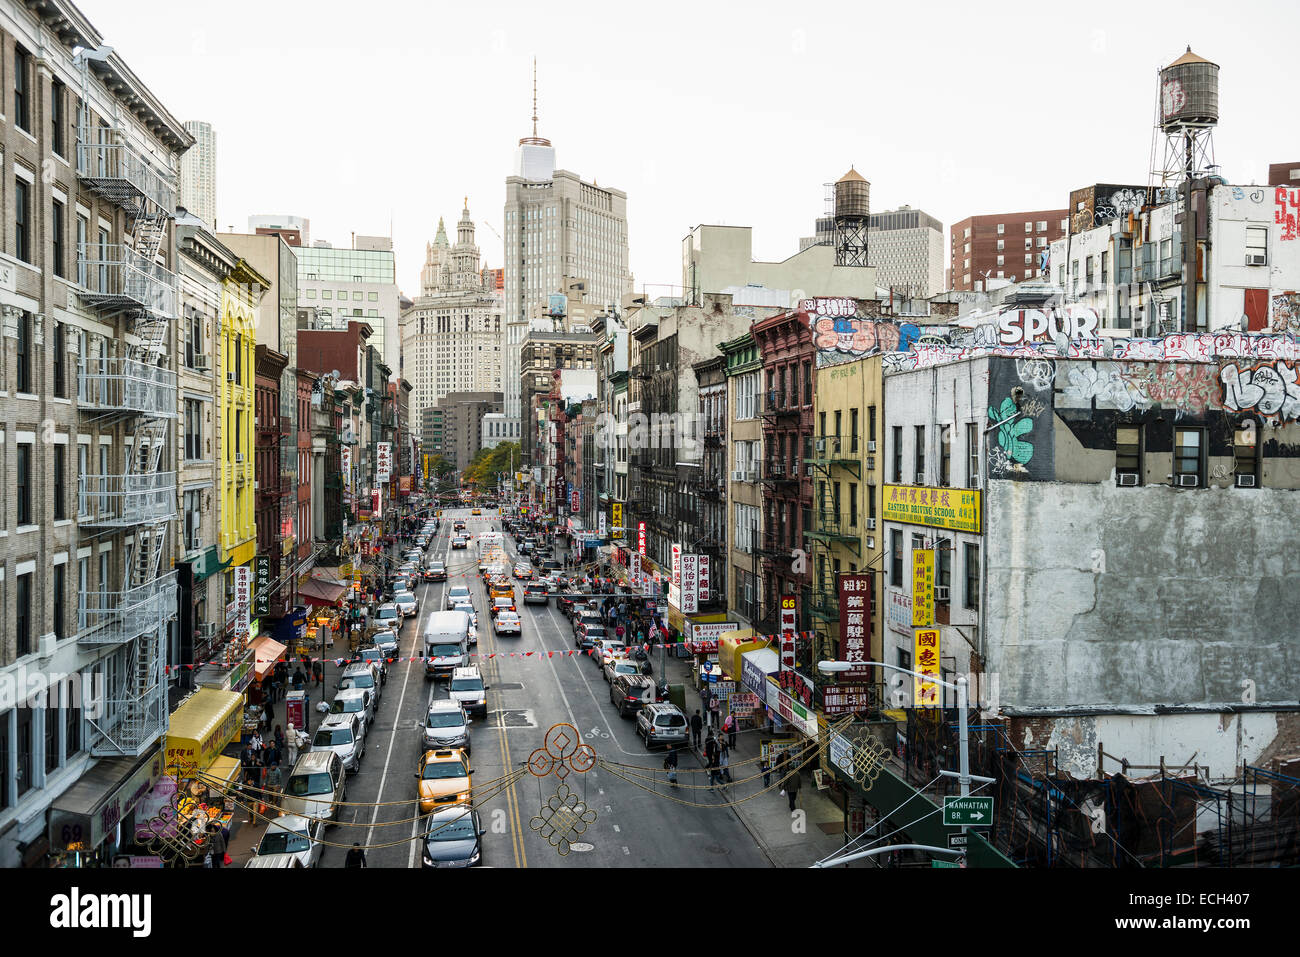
(361, 116)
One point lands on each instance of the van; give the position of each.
(446, 643)
(631, 693)
(316, 786)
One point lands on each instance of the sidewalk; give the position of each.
(785, 839)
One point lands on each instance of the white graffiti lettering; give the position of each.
(1269, 389)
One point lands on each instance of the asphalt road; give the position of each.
(526, 696)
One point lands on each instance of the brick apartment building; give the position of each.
(1001, 246)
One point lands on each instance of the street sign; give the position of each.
(959, 811)
(958, 841)
(944, 864)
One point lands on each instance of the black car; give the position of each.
(454, 838)
(436, 572)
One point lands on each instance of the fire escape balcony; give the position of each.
(125, 386)
(832, 451)
(778, 406)
(823, 603)
(774, 551)
(832, 526)
(112, 168)
(124, 280)
(121, 501)
(776, 474)
(116, 617)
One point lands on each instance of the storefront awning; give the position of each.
(88, 812)
(267, 651)
(223, 772)
(734, 644)
(202, 726)
(321, 593)
(755, 666)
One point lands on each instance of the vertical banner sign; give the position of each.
(634, 569)
(243, 600)
(347, 467)
(789, 624)
(927, 662)
(675, 577)
(922, 588)
(690, 584)
(601, 524)
(640, 538)
(677, 564)
(377, 505)
(575, 500)
(855, 620)
(704, 579)
(616, 518)
(262, 586)
(383, 462)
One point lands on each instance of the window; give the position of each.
(60, 582)
(971, 559)
(23, 482)
(83, 227)
(60, 361)
(1002, 244)
(59, 115)
(1245, 455)
(60, 486)
(1029, 227)
(898, 455)
(1002, 260)
(896, 558)
(853, 430)
(4, 755)
(1029, 243)
(22, 89)
(83, 460)
(24, 357)
(1189, 449)
(871, 423)
(56, 236)
(943, 567)
(853, 504)
(904, 659)
(1042, 225)
(920, 455)
(72, 717)
(945, 455)
(1128, 454)
(1256, 245)
(103, 255)
(1002, 228)
(1105, 267)
(51, 722)
(23, 613)
(193, 430)
(1088, 272)
(25, 745)
(22, 220)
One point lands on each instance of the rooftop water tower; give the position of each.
(852, 212)
(1188, 113)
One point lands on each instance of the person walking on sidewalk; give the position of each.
(299, 679)
(356, 857)
(729, 726)
(216, 845)
(711, 758)
(724, 759)
(697, 725)
(292, 744)
(792, 784)
(317, 672)
(670, 765)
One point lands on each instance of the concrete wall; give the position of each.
(1100, 596)
(723, 257)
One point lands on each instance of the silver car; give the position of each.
(458, 595)
(295, 835)
(446, 725)
(407, 603)
(344, 735)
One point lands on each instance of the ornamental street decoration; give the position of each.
(562, 752)
(562, 819)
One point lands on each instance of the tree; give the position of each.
(485, 471)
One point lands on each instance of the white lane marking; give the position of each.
(625, 850)
(617, 829)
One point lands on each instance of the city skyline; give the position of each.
(787, 74)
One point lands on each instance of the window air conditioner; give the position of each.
(871, 542)
(871, 445)
(920, 478)
(1245, 481)
(1256, 259)
(1189, 481)
(230, 377)
(239, 456)
(871, 524)
(738, 475)
(201, 363)
(1127, 478)
(940, 592)
(821, 445)
(871, 463)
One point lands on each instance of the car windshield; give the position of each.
(459, 591)
(466, 684)
(461, 829)
(284, 842)
(332, 737)
(440, 770)
(625, 668)
(501, 602)
(437, 567)
(444, 719)
(444, 651)
(347, 706)
(304, 784)
(671, 721)
(357, 681)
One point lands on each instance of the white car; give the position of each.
(507, 623)
(296, 835)
(458, 595)
(406, 603)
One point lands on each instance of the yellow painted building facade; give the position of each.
(240, 293)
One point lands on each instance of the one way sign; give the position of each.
(962, 811)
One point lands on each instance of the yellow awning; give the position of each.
(734, 644)
(202, 726)
(223, 773)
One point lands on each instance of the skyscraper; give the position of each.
(452, 332)
(199, 173)
(557, 227)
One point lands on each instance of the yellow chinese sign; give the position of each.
(922, 588)
(616, 517)
(926, 658)
(956, 509)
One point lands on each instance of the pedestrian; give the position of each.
(272, 783)
(216, 846)
(711, 747)
(765, 765)
(697, 725)
(713, 709)
(619, 632)
(271, 756)
(724, 759)
(792, 784)
(704, 699)
(711, 754)
(268, 707)
(255, 743)
(317, 672)
(729, 726)
(356, 856)
(670, 765)
(280, 739)
(299, 679)
(293, 745)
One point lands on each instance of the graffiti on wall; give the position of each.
(1287, 213)
(1268, 388)
(1286, 313)
(1021, 448)
(1184, 388)
(840, 336)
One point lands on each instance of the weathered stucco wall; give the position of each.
(1111, 597)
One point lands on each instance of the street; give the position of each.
(526, 696)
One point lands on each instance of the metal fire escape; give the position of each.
(136, 390)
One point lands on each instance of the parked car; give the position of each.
(378, 655)
(356, 701)
(293, 835)
(342, 734)
(386, 615)
(606, 650)
(615, 667)
(631, 693)
(661, 723)
(362, 675)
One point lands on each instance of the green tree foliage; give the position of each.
(489, 465)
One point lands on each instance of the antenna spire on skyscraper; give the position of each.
(534, 96)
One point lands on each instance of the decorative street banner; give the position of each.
(956, 509)
(927, 662)
(704, 579)
(243, 600)
(383, 461)
(616, 517)
(922, 587)
(690, 584)
(640, 538)
(261, 586)
(855, 620)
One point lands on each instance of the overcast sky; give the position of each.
(357, 114)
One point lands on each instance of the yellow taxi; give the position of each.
(500, 588)
(476, 511)
(444, 778)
